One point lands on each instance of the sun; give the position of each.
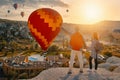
(92, 13)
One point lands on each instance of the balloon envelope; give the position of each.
(67, 10)
(8, 11)
(45, 24)
(22, 14)
(15, 5)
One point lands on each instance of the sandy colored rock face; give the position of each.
(61, 74)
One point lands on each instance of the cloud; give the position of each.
(27, 6)
(33, 3)
(55, 3)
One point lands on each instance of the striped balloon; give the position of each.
(45, 24)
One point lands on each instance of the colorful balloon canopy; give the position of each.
(15, 5)
(22, 14)
(45, 24)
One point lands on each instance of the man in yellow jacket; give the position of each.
(77, 43)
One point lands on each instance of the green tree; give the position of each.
(109, 54)
(53, 48)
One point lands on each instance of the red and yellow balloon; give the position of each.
(45, 24)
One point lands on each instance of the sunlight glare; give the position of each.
(92, 13)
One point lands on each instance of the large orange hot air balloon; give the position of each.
(44, 24)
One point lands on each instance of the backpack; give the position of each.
(76, 41)
(98, 46)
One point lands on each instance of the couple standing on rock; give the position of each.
(77, 45)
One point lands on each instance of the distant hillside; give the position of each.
(99, 25)
(18, 29)
(11, 29)
(109, 23)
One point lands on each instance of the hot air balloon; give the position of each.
(67, 10)
(45, 24)
(15, 6)
(8, 11)
(22, 14)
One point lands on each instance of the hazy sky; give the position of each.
(79, 11)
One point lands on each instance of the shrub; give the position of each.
(109, 54)
(53, 48)
(23, 76)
